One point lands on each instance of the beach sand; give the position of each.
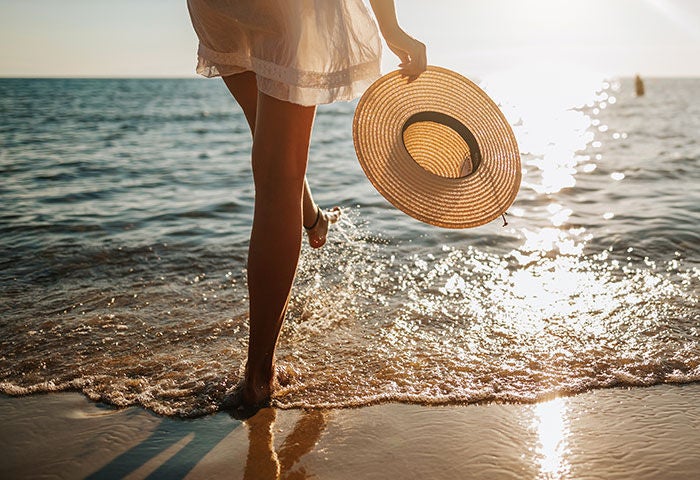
(640, 433)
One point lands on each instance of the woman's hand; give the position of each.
(408, 49)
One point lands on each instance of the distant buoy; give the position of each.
(639, 86)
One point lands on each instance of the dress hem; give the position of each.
(289, 84)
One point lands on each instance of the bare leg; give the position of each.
(280, 154)
(281, 136)
(244, 88)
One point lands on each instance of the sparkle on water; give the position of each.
(520, 313)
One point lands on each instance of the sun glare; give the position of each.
(689, 24)
(551, 131)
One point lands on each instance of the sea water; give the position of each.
(126, 211)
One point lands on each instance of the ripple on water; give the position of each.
(123, 265)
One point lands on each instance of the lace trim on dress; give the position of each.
(290, 76)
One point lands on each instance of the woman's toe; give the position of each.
(334, 214)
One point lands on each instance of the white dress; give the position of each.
(303, 51)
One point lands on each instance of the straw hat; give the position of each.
(438, 148)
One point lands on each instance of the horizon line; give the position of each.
(194, 76)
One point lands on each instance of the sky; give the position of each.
(154, 38)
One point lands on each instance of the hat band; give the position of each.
(458, 127)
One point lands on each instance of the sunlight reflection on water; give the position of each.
(553, 433)
(550, 130)
(566, 298)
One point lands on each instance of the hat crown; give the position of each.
(441, 144)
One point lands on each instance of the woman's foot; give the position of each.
(318, 230)
(245, 399)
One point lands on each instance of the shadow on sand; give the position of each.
(176, 447)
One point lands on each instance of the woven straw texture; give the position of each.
(428, 185)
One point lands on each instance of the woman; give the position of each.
(279, 59)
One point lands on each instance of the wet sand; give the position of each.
(641, 433)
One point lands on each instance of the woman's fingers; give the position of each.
(412, 54)
(418, 61)
(408, 49)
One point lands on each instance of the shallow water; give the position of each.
(124, 237)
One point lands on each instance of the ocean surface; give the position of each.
(126, 210)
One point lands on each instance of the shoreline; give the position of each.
(644, 432)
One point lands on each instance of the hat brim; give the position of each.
(462, 202)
